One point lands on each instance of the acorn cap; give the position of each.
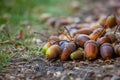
(106, 44)
(91, 41)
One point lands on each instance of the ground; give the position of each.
(21, 56)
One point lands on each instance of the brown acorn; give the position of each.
(53, 52)
(83, 31)
(97, 33)
(110, 21)
(106, 51)
(103, 39)
(78, 54)
(111, 36)
(69, 48)
(91, 50)
(53, 39)
(117, 49)
(81, 39)
(102, 20)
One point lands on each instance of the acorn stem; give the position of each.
(101, 33)
(116, 29)
(68, 33)
(41, 34)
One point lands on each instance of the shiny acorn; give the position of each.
(91, 49)
(46, 46)
(110, 21)
(111, 36)
(81, 39)
(86, 31)
(117, 49)
(106, 51)
(53, 52)
(78, 54)
(103, 39)
(69, 48)
(97, 33)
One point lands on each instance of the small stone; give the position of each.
(108, 67)
(57, 74)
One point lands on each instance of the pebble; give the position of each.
(57, 74)
(108, 67)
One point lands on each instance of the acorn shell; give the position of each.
(78, 54)
(91, 50)
(46, 46)
(81, 39)
(83, 31)
(69, 48)
(110, 21)
(96, 33)
(111, 36)
(117, 49)
(106, 51)
(103, 40)
(53, 52)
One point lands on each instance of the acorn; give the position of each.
(53, 52)
(103, 39)
(46, 46)
(81, 39)
(106, 51)
(63, 43)
(78, 54)
(117, 49)
(53, 39)
(102, 19)
(110, 21)
(97, 33)
(83, 31)
(69, 48)
(91, 50)
(111, 36)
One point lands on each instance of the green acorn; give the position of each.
(53, 52)
(77, 55)
(46, 46)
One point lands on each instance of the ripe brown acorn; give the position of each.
(111, 36)
(53, 52)
(110, 21)
(78, 54)
(97, 33)
(91, 50)
(106, 51)
(103, 39)
(81, 39)
(69, 48)
(117, 49)
(83, 31)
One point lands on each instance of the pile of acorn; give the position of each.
(101, 40)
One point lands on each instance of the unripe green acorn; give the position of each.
(77, 55)
(46, 46)
(53, 52)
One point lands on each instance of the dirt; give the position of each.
(42, 69)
